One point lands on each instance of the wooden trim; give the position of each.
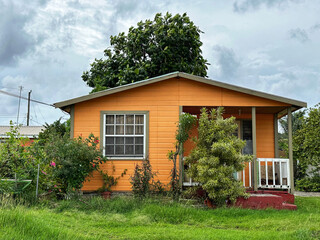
(276, 145)
(254, 150)
(72, 121)
(290, 149)
(298, 104)
(102, 113)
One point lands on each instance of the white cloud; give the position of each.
(52, 42)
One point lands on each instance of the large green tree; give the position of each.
(152, 48)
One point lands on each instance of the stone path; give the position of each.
(307, 194)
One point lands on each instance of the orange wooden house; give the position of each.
(140, 119)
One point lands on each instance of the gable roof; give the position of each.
(295, 103)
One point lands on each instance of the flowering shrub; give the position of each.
(64, 163)
(71, 161)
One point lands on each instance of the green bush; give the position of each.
(217, 156)
(64, 163)
(16, 162)
(71, 161)
(309, 184)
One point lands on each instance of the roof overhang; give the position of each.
(65, 105)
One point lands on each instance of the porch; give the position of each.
(259, 127)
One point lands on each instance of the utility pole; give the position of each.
(19, 105)
(28, 114)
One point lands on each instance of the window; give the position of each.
(125, 135)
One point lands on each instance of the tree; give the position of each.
(56, 128)
(297, 123)
(166, 44)
(216, 156)
(306, 142)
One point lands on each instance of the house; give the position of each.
(140, 119)
(31, 132)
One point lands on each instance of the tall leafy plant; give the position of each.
(216, 156)
(186, 123)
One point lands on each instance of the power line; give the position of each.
(32, 100)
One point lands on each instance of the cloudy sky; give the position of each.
(45, 45)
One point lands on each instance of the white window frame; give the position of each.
(145, 134)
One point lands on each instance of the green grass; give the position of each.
(126, 218)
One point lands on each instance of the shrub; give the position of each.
(16, 162)
(217, 156)
(142, 181)
(72, 160)
(309, 184)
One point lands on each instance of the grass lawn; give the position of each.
(126, 218)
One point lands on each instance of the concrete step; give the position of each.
(287, 197)
(263, 201)
(289, 206)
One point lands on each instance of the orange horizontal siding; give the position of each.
(162, 100)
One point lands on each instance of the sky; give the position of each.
(45, 45)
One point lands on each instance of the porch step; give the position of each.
(263, 201)
(289, 206)
(287, 197)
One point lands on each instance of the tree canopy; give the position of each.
(152, 48)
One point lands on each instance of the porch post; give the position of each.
(290, 149)
(254, 149)
(276, 145)
(181, 165)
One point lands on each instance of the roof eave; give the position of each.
(115, 90)
(294, 103)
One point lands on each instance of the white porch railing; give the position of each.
(273, 173)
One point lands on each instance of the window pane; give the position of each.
(129, 140)
(110, 119)
(139, 149)
(139, 119)
(129, 130)
(139, 130)
(110, 150)
(119, 140)
(119, 149)
(110, 130)
(129, 119)
(129, 150)
(119, 130)
(110, 140)
(139, 140)
(120, 119)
